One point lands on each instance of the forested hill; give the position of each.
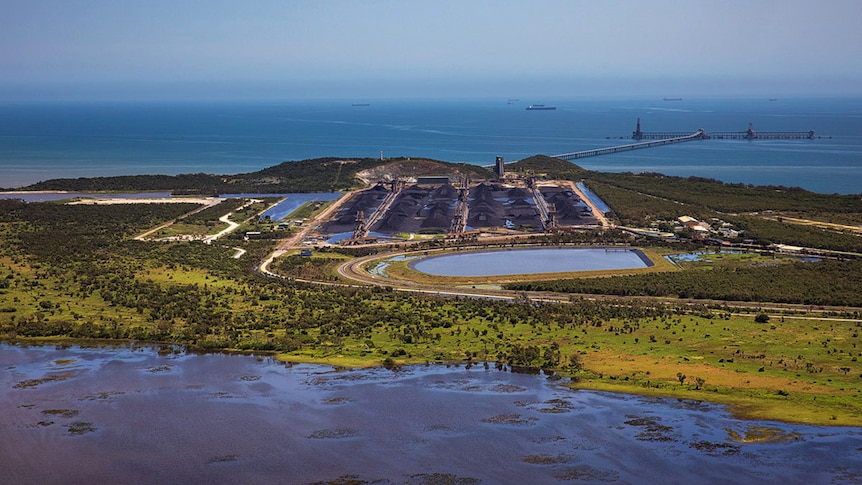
(316, 175)
(549, 167)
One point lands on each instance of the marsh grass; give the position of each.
(800, 380)
(796, 367)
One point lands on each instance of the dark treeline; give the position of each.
(820, 283)
(316, 175)
(733, 198)
(58, 233)
(549, 167)
(211, 215)
(768, 231)
(640, 200)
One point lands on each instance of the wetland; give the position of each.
(157, 414)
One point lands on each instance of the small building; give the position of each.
(433, 180)
(729, 233)
(305, 252)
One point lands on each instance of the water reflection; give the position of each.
(86, 415)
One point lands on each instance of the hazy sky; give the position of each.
(154, 49)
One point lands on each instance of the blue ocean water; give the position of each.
(43, 141)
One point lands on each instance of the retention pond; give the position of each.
(531, 261)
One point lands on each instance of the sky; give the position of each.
(358, 49)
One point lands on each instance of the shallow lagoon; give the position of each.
(531, 261)
(74, 415)
(292, 202)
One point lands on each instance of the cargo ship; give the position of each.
(534, 107)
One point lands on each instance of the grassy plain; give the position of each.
(763, 371)
(310, 209)
(794, 367)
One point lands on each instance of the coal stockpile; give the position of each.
(570, 210)
(496, 206)
(403, 214)
(438, 213)
(485, 210)
(366, 201)
(523, 215)
(420, 209)
(430, 209)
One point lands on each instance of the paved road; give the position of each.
(231, 225)
(353, 271)
(207, 203)
(295, 241)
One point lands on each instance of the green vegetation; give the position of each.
(784, 281)
(309, 209)
(640, 209)
(73, 272)
(547, 167)
(649, 199)
(767, 231)
(203, 221)
(319, 268)
(317, 175)
(732, 198)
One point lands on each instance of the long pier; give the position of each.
(748, 134)
(697, 135)
(661, 138)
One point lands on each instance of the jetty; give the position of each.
(661, 138)
(680, 138)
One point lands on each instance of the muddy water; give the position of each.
(81, 415)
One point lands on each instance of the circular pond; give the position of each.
(531, 261)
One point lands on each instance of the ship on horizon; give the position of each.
(672, 99)
(539, 107)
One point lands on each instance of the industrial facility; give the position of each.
(434, 205)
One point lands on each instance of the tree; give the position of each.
(761, 318)
(551, 356)
(698, 383)
(681, 377)
(575, 362)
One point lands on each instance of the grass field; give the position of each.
(773, 370)
(797, 368)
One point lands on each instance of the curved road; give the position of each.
(352, 270)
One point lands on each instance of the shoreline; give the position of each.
(807, 410)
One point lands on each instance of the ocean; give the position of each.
(40, 141)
